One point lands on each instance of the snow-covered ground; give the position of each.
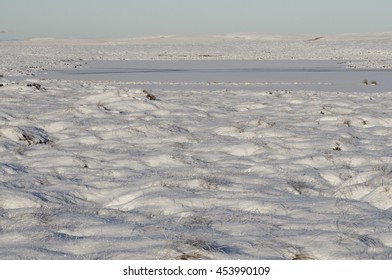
(94, 168)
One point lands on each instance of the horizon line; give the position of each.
(233, 35)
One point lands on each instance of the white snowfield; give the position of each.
(203, 163)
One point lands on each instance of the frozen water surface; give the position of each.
(244, 74)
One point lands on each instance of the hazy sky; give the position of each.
(21, 19)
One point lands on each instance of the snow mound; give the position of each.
(29, 135)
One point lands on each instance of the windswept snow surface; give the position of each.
(125, 169)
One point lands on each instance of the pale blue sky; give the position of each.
(20, 19)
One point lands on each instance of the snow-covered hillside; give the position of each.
(95, 169)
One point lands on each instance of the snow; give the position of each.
(248, 151)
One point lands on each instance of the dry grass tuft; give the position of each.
(366, 82)
(149, 95)
(302, 256)
(347, 122)
(191, 256)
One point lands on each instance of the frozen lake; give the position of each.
(242, 74)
